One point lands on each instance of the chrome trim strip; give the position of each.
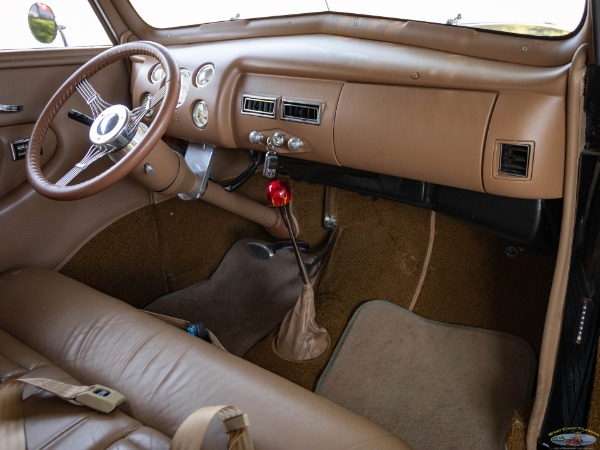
(11, 108)
(259, 98)
(313, 105)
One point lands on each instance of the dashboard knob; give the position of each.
(295, 144)
(278, 140)
(255, 137)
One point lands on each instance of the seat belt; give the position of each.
(12, 426)
(189, 435)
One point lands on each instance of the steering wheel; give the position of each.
(115, 127)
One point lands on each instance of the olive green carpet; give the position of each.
(435, 385)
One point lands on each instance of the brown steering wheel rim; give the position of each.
(122, 168)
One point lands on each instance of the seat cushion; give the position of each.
(52, 423)
(165, 373)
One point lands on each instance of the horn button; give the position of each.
(108, 124)
(112, 127)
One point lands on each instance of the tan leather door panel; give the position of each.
(12, 165)
(35, 231)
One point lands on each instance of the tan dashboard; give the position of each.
(448, 119)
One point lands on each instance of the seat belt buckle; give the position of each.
(100, 398)
(236, 422)
(198, 329)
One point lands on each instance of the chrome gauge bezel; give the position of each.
(204, 75)
(157, 74)
(200, 119)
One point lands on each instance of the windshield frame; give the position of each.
(541, 51)
(407, 12)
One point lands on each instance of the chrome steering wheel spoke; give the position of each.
(114, 127)
(92, 98)
(139, 112)
(94, 153)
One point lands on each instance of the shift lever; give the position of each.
(279, 193)
(299, 337)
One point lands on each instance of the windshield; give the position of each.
(531, 17)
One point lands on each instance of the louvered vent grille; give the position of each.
(259, 106)
(514, 159)
(304, 112)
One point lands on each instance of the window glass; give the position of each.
(533, 17)
(75, 19)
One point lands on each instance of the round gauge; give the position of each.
(157, 74)
(204, 75)
(200, 114)
(186, 80)
(145, 99)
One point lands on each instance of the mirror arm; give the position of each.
(62, 34)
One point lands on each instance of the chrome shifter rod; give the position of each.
(279, 194)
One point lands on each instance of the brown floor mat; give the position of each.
(242, 301)
(433, 384)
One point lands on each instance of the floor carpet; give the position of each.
(243, 300)
(435, 385)
(381, 253)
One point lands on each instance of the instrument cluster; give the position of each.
(199, 79)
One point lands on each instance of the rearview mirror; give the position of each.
(42, 23)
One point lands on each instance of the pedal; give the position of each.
(266, 250)
(314, 266)
(331, 225)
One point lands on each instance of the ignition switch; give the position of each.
(278, 140)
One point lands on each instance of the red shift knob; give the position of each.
(279, 193)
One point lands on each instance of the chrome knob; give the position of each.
(255, 137)
(278, 140)
(295, 144)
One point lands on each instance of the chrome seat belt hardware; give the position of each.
(100, 398)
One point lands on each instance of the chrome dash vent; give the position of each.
(514, 159)
(299, 111)
(259, 106)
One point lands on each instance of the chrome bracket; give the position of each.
(199, 158)
(329, 218)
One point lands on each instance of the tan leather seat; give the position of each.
(54, 327)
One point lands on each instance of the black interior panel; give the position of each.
(520, 221)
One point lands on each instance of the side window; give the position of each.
(58, 24)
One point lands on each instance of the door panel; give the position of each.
(12, 163)
(36, 231)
